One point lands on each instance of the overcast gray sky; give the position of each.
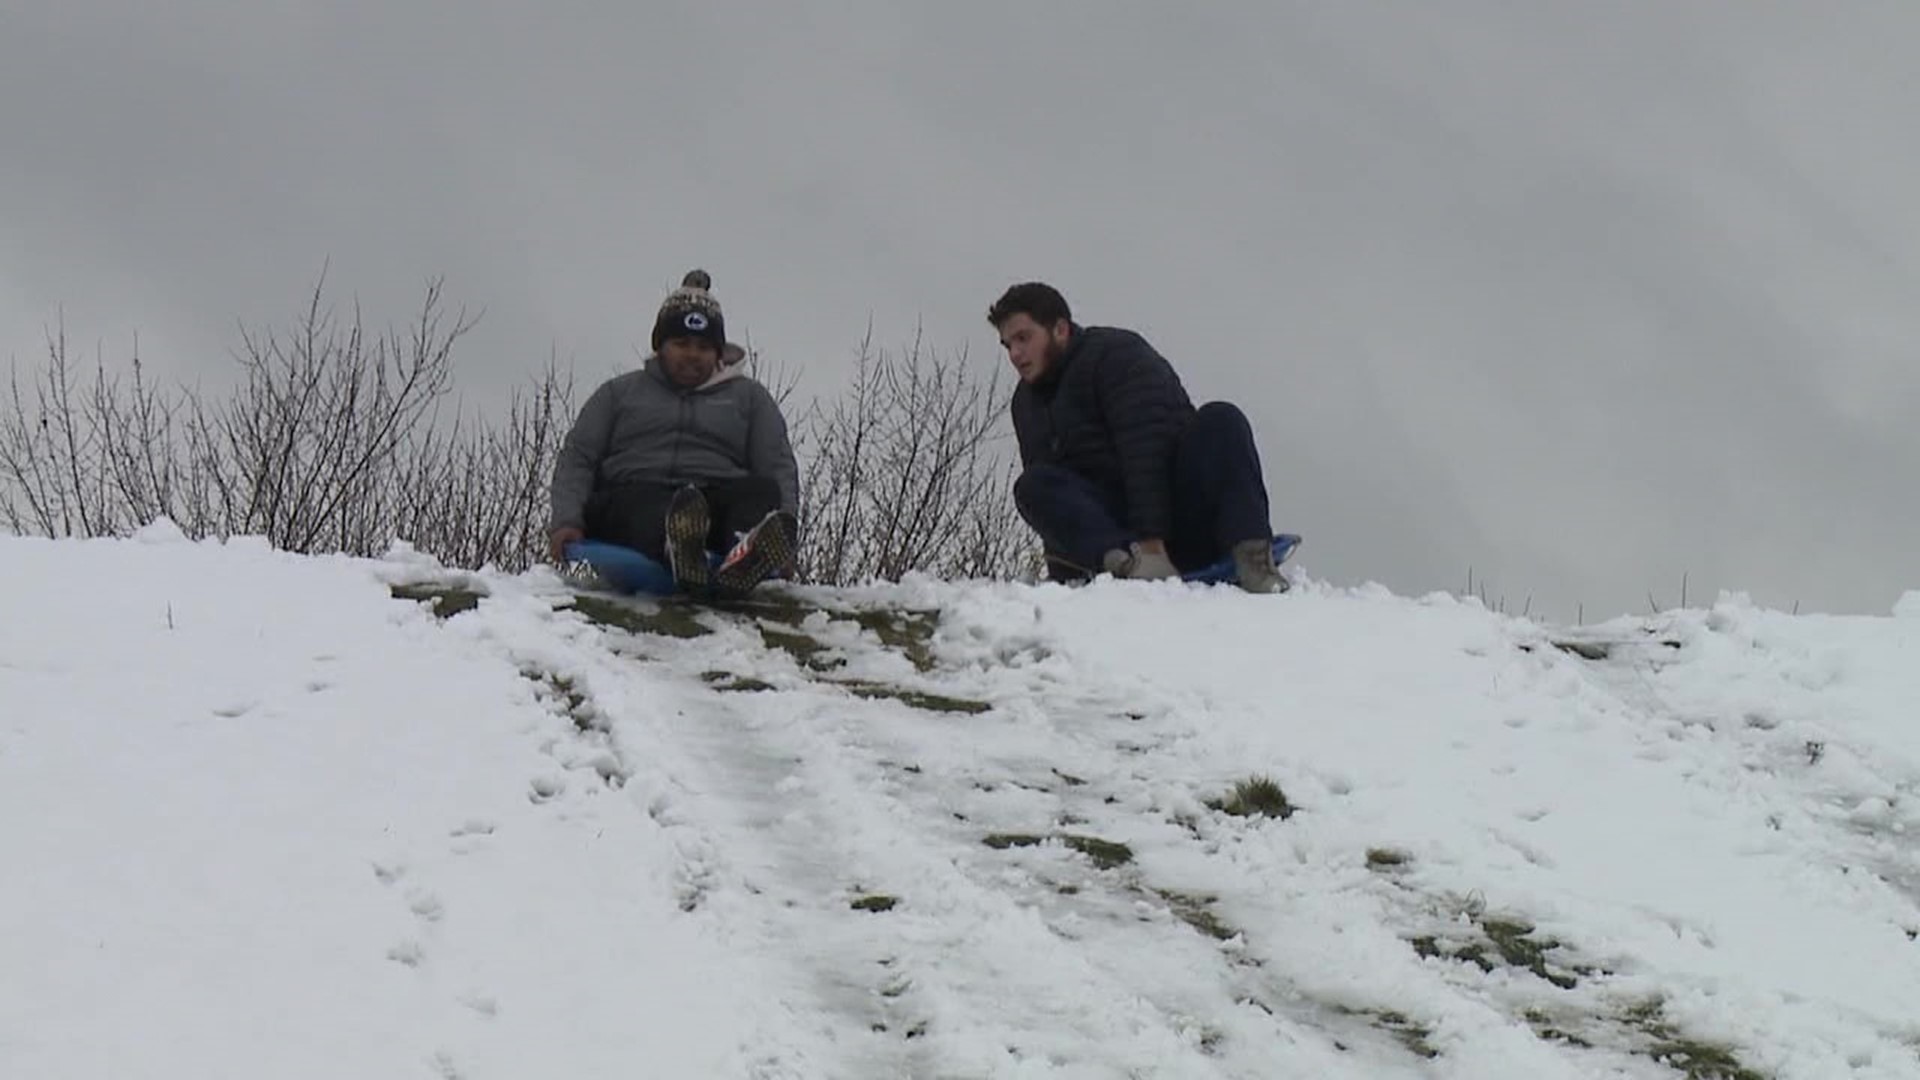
(1583, 296)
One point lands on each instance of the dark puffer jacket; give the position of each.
(1110, 409)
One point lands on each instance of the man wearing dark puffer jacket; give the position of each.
(1120, 472)
(684, 457)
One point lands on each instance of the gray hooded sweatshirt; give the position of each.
(641, 428)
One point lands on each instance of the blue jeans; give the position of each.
(1219, 499)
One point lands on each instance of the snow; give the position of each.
(260, 817)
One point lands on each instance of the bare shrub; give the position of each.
(340, 439)
(474, 493)
(907, 472)
(334, 440)
(301, 452)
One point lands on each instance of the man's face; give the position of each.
(689, 361)
(1032, 348)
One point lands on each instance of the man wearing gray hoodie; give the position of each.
(683, 460)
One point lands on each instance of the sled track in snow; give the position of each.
(952, 866)
(948, 880)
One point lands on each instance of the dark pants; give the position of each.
(1219, 499)
(635, 515)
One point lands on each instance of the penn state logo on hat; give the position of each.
(691, 311)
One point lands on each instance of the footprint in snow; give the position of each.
(389, 872)
(408, 954)
(425, 905)
(472, 835)
(547, 788)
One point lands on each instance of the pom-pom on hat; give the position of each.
(691, 311)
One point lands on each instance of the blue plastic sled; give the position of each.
(1283, 545)
(628, 571)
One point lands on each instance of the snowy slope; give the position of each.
(260, 817)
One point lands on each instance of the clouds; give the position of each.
(1586, 298)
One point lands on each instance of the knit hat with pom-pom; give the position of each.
(691, 311)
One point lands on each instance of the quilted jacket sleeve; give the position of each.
(578, 461)
(770, 448)
(1144, 405)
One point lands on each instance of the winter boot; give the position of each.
(1132, 564)
(687, 525)
(767, 550)
(1253, 565)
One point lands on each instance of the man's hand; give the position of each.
(558, 540)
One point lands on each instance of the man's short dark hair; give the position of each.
(1036, 300)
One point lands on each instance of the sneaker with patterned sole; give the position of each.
(688, 523)
(765, 551)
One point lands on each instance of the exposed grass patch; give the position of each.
(1412, 1035)
(1546, 1028)
(1696, 1060)
(1505, 943)
(918, 699)
(1691, 1058)
(571, 694)
(663, 619)
(764, 605)
(1106, 854)
(1585, 650)
(907, 631)
(1519, 948)
(1387, 859)
(1196, 912)
(1600, 649)
(727, 682)
(1255, 796)
(562, 690)
(911, 632)
(577, 707)
(447, 600)
(807, 651)
(876, 902)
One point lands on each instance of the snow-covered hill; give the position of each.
(272, 816)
